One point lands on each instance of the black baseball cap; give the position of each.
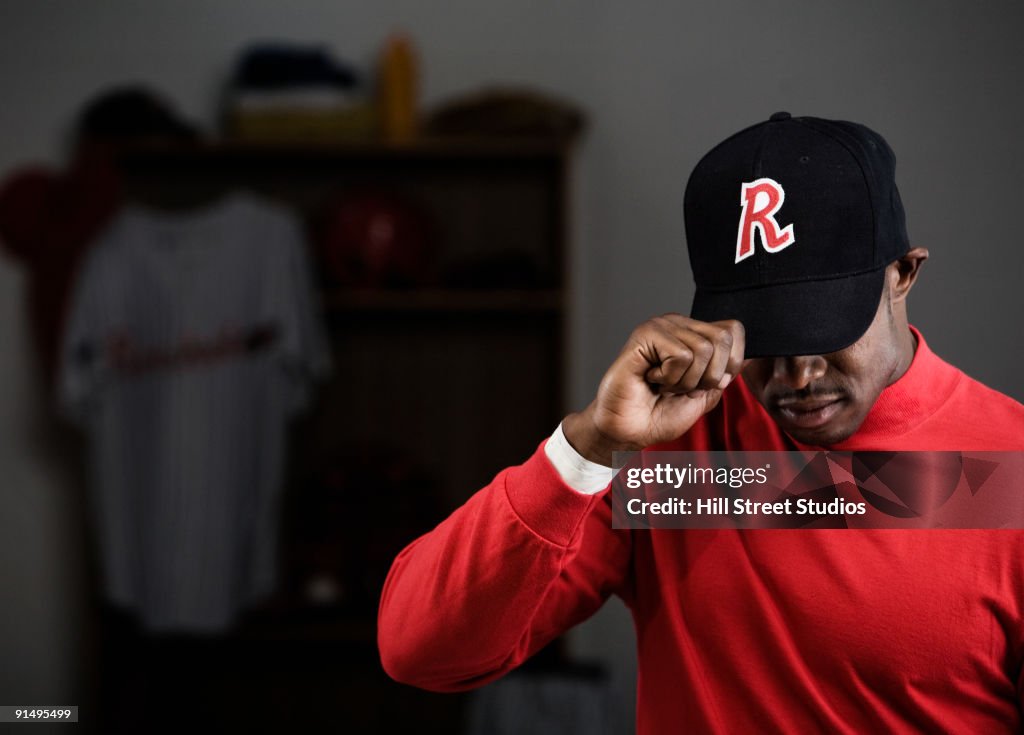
(790, 225)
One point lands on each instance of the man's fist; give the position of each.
(671, 372)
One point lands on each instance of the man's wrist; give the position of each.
(576, 471)
(584, 437)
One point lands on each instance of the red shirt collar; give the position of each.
(917, 394)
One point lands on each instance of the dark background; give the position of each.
(660, 82)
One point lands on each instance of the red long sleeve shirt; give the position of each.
(740, 631)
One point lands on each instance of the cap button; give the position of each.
(780, 116)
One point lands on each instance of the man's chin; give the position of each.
(837, 430)
(824, 437)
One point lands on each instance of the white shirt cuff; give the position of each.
(576, 471)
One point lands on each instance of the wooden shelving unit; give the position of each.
(444, 383)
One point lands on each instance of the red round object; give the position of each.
(376, 240)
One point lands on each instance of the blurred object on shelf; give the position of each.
(501, 112)
(323, 589)
(369, 503)
(378, 239)
(508, 269)
(398, 90)
(135, 114)
(283, 66)
(356, 123)
(49, 217)
(296, 93)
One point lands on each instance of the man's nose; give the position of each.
(799, 372)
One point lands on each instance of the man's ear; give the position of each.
(903, 273)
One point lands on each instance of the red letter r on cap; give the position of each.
(761, 199)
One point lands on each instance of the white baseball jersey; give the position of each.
(191, 340)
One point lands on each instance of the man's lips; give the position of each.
(809, 413)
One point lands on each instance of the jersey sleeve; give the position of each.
(524, 560)
(83, 360)
(304, 349)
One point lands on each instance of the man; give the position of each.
(798, 339)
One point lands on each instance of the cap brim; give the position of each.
(802, 318)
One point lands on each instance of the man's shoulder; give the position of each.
(991, 418)
(988, 399)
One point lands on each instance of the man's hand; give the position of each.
(671, 372)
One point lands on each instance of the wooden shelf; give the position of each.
(444, 301)
(423, 149)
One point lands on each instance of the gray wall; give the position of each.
(662, 82)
